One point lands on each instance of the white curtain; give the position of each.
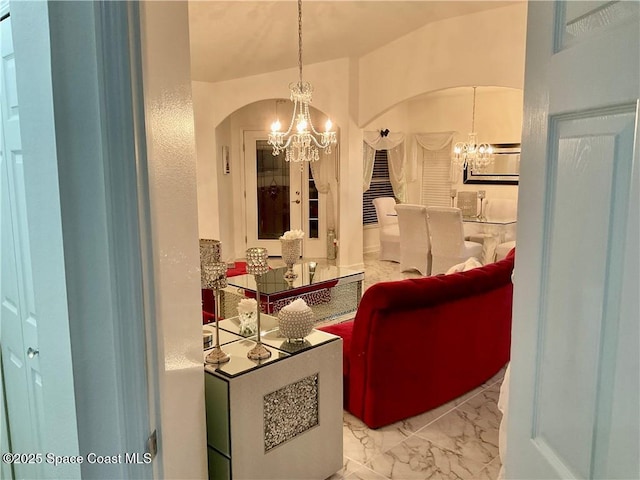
(400, 173)
(324, 180)
(429, 141)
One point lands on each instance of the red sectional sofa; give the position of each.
(416, 344)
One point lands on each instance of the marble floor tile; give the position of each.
(413, 424)
(366, 474)
(383, 271)
(348, 467)
(360, 443)
(491, 470)
(488, 395)
(418, 458)
(465, 433)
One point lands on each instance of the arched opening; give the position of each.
(498, 119)
(260, 196)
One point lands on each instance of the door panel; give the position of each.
(274, 194)
(574, 401)
(282, 196)
(584, 161)
(19, 316)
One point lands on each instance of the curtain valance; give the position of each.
(430, 141)
(400, 173)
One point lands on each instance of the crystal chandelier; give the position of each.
(471, 154)
(301, 140)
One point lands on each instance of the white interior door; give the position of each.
(574, 401)
(279, 197)
(18, 314)
(41, 413)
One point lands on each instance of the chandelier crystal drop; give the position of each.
(301, 141)
(471, 154)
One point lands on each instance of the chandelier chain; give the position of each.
(300, 39)
(473, 114)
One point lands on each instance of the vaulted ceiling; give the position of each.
(234, 39)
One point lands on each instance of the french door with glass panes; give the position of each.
(280, 196)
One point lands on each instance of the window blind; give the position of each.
(436, 183)
(380, 187)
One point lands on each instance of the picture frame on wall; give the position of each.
(226, 167)
(504, 170)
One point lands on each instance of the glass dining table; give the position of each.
(501, 229)
(490, 233)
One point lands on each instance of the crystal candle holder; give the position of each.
(217, 280)
(312, 270)
(257, 266)
(481, 195)
(290, 255)
(209, 254)
(257, 261)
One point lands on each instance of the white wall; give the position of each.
(226, 194)
(485, 48)
(176, 304)
(205, 122)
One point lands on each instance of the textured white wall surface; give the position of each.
(174, 237)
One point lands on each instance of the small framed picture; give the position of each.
(226, 167)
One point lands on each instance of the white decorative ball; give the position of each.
(295, 324)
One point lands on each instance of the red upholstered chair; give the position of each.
(416, 344)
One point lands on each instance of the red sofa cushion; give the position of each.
(344, 330)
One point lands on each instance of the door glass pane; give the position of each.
(273, 192)
(314, 221)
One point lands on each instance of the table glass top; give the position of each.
(274, 282)
(486, 221)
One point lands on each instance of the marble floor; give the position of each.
(458, 440)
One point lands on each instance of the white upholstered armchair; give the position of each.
(389, 230)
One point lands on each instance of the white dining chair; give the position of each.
(388, 228)
(415, 247)
(448, 246)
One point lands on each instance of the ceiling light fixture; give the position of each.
(470, 154)
(301, 140)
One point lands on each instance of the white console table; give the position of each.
(276, 418)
